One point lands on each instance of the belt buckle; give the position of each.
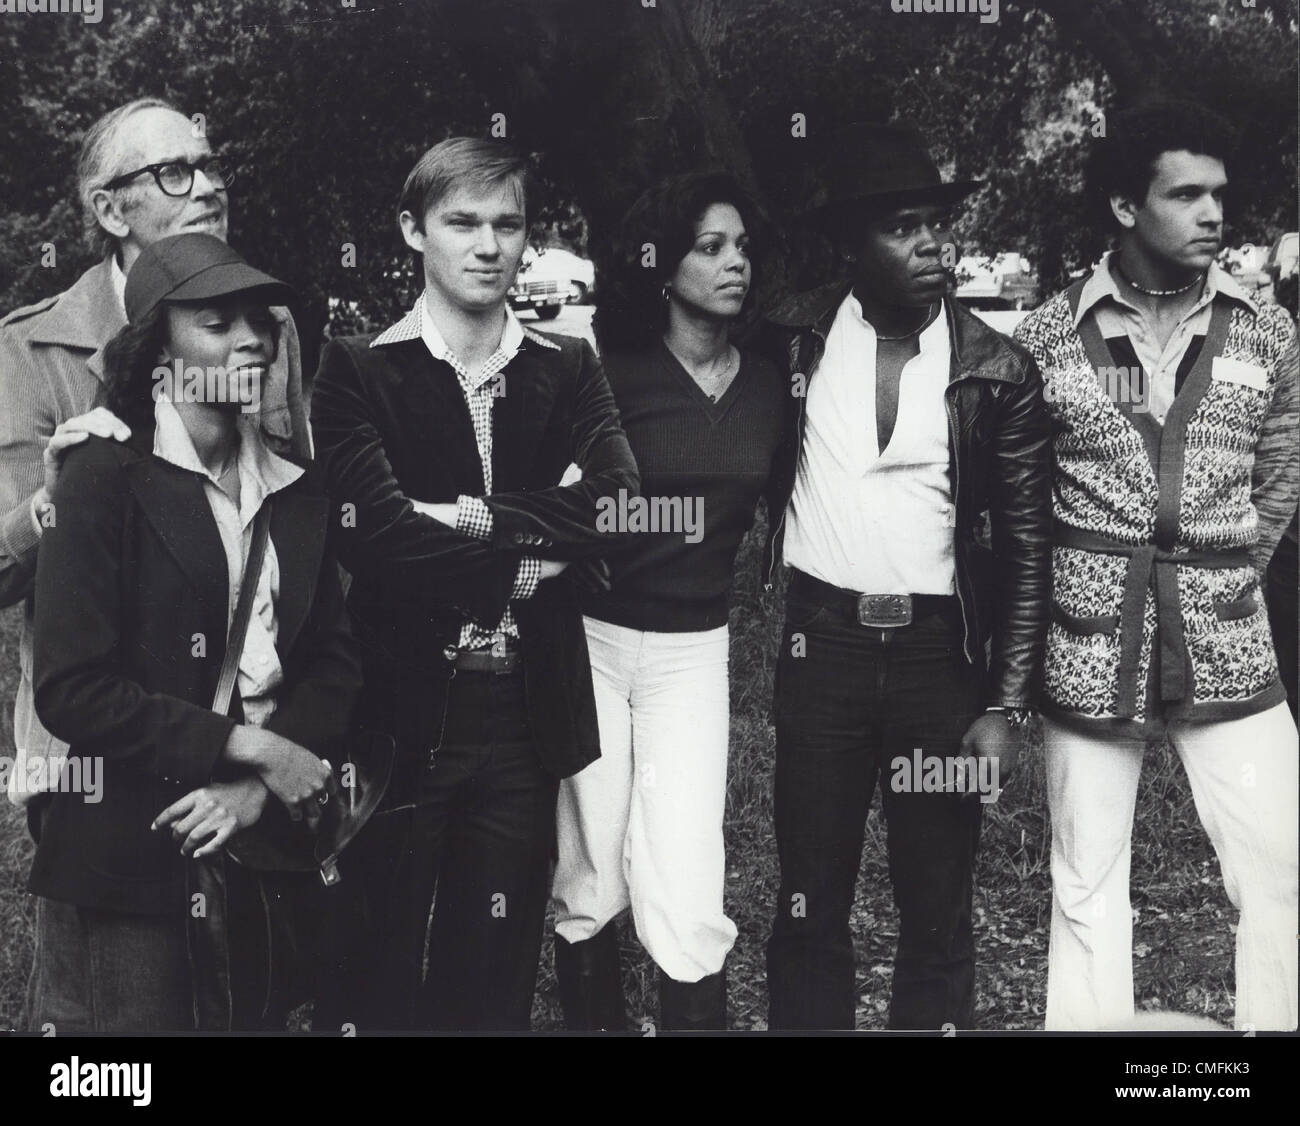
(884, 611)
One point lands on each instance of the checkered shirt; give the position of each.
(473, 517)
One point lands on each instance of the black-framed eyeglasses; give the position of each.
(176, 177)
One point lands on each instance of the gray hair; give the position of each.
(98, 164)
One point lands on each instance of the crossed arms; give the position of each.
(416, 558)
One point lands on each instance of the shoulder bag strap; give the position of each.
(243, 610)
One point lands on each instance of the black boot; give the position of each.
(591, 987)
(693, 1006)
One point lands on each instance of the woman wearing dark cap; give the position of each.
(642, 826)
(145, 548)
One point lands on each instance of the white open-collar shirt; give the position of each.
(862, 519)
(261, 473)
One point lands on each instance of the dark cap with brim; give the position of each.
(194, 267)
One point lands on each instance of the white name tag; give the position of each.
(1238, 371)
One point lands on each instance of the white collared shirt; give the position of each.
(261, 473)
(860, 519)
(118, 278)
(1117, 316)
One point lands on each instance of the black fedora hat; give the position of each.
(883, 165)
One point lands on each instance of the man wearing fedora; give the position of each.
(913, 508)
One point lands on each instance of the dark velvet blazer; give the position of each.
(391, 425)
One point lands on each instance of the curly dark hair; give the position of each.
(129, 362)
(630, 307)
(1123, 162)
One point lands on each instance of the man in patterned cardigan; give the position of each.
(1174, 398)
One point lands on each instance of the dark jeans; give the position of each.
(457, 881)
(105, 971)
(854, 700)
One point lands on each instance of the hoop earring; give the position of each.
(667, 292)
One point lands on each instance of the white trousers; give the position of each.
(1243, 777)
(642, 825)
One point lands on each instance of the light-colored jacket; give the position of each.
(51, 370)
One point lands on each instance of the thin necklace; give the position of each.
(713, 377)
(929, 319)
(1158, 292)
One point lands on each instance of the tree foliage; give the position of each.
(324, 108)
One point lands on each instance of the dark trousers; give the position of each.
(106, 971)
(848, 701)
(455, 879)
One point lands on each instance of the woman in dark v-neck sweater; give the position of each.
(642, 826)
(719, 454)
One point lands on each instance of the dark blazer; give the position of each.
(999, 453)
(131, 611)
(391, 425)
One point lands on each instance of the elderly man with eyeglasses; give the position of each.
(144, 173)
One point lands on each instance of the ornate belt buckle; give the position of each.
(884, 611)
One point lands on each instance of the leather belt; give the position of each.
(875, 611)
(497, 660)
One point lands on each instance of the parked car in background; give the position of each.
(996, 282)
(549, 278)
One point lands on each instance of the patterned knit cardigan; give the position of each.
(1240, 480)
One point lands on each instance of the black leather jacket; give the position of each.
(999, 444)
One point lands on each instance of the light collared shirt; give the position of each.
(859, 518)
(473, 517)
(1116, 316)
(261, 473)
(118, 278)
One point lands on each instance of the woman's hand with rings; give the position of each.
(291, 772)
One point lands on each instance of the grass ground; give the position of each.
(16, 913)
(1183, 934)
